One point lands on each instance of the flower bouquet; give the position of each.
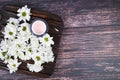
(20, 44)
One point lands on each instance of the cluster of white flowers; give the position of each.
(20, 44)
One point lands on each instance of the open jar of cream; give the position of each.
(39, 27)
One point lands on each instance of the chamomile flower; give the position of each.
(19, 44)
(34, 67)
(24, 29)
(46, 40)
(13, 22)
(10, 32)
(13, 65)
(38, 58)
(24, 13)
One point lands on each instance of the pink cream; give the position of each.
(38, 27)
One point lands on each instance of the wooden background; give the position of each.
(90, 45)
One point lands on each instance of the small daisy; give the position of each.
(46, 40)
(34, 67)
(38, 58)
(13, 65)
(10, 32)
(19, 43)
(13, 22)
(24, 13)
(24, 29)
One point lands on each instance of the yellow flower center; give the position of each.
(10, 33)
(38, 58)
(14, 65)
(23, 14)
(46, 39)
(18, 45)
(30, 50)
(24, 28)
(4, 53)
(12, 23)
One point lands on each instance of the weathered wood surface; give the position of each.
(90, 44)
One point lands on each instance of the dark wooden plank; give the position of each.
(94, 17)
(89, 51)
(82, 13)
(90, 42)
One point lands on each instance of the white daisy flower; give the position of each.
(10, 32)
(24, 13)
(34, 67)
(13, 65)
(38, 58)
(19, 44)
(13, 22)
(24, 29)
(46, 40)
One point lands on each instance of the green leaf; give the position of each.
(4, 53)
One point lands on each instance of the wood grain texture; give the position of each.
(90, 45)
